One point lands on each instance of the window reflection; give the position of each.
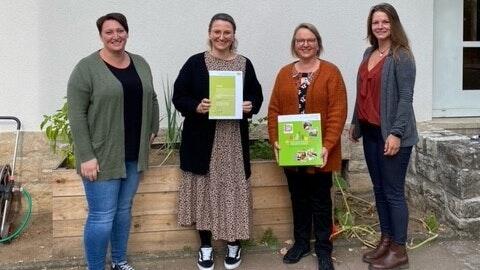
(471, 20)
(471, 68)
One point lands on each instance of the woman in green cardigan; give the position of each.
(113, 113)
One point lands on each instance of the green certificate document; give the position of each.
(300, 140)
(226, 94)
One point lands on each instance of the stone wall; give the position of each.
(444, 177)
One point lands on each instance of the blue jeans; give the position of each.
(388, 177)
(109, 217)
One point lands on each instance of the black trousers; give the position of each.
(311, 201)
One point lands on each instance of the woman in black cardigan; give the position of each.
(215, 189)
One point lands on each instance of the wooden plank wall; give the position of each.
(154, 224)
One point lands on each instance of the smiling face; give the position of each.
(381, 27)
(221, 36)
(306, 44)
(114, 36)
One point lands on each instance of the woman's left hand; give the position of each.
(392, 145)
(324, 156)
(247, 106)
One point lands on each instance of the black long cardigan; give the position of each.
(191, 86)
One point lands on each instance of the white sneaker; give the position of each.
(233, 259)
(205, 258)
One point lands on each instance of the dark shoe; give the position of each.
(205, 258)
(295, 253)
(379, 251)
(325, 263)
(122, 266)
(395, 258)
(233, 259)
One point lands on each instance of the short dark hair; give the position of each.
(119, 17)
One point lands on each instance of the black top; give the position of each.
(132, 107)
(302, 92)
(191, 86)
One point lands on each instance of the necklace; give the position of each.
(383, 52)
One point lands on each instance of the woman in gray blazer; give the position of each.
(384, 117)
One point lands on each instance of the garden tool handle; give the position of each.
(19, 124)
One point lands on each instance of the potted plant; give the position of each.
(58, 132)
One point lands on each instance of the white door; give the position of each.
(456, 58)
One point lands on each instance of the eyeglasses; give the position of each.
(308, 41)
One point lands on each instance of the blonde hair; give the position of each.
(312, 29)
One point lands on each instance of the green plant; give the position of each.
(347, 218)
(430, 223)
(269, 239)
(248, 244)
(58, 132)
(187, 249)
(259, 148)
(174, 126)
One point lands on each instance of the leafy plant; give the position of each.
(248, 244)
(346, 216)
(430, 223)
(58, 132)
(259, 148)
(269, 239)
(174, 125)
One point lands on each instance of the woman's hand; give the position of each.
(276, 147)
(152, 137)
(392, 145)
(204, 106)
(350, 134)
(89, 169)
(247, 106)
(324, 157)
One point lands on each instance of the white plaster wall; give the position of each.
(19, 61)
(42, 41)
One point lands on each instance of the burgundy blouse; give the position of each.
(368, 107)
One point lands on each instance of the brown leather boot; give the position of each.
(379, 251)
(395, 258)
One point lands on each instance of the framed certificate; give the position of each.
(300, 140)
(226, 94)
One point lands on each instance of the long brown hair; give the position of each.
(397, 34)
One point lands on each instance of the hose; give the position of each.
(26, 218)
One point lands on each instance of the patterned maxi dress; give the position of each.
(219, 201)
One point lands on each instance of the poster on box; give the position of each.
(300, 140)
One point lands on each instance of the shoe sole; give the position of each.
(365, 260)
(203, 268)
(232, 266)
(292, 262)
(405, 266)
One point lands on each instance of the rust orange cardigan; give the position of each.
(325, 95)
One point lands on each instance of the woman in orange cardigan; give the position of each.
(310, 85)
